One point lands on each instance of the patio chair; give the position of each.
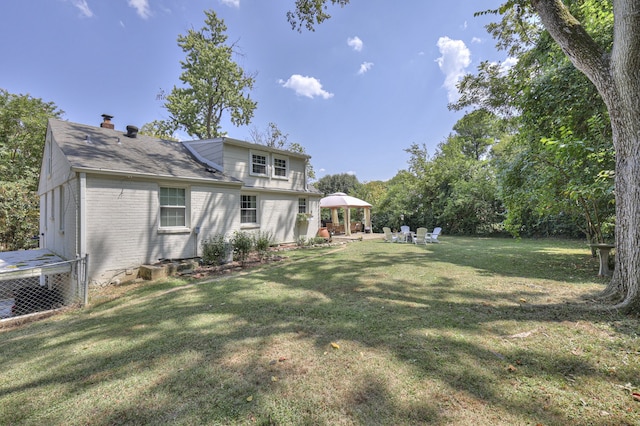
(421, 234)
(405, 233)
(432, 237)
(388, 236)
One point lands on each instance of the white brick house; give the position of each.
(127, 199)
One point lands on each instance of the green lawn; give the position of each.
(469, 331)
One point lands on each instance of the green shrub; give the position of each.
(242, 244)
(214, 250)
(261, 242)
(318, 240)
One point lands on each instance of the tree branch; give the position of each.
(575, 42)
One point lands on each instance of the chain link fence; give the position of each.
(43, 288)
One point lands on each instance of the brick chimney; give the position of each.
(106, 121)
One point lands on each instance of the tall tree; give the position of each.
(213, 83)
(554, 172)
(23, 126)
(343, 182)
(615, 73)
(272, 136)
(478, 131)
(159, 129)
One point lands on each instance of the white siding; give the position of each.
(123, 222)
(54, 174)
(122, 214)
(60, 168)
(211, 150)
(237, 163)
(277, 213)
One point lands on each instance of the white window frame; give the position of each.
(243, 208)
(277, 168)
(61, 207)
(52, 210)
(303, 205)
(45, 207)
(253, 154)
(185, 208)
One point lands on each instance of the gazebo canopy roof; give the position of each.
(340, 199)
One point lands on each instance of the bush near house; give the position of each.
(214, 250)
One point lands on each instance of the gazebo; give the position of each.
(340, 200)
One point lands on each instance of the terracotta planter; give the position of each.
(324, 233)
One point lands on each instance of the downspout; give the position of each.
(306, 176)
(82, 215)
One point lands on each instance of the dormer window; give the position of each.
(258, 163)
(280, 167)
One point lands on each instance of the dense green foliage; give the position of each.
(23, 125)
(555, 172)
(456, 189)
(534, 155)
(213, 84)
(343, 182)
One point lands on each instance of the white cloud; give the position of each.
(508, 63)
(305, 86)
(455, 58)
(141, 7)
(84, 7)
(232, 3)
(364, 67)
(355, 43)
(476, 40)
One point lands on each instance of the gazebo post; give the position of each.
(367, 218)
(334, 216)
(347, 221)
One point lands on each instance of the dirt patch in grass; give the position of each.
(253, 261)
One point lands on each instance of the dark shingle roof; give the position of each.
(102, 150)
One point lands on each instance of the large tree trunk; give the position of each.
(617, 78)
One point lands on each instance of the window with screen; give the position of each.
(302, 205)
(249, 209)
(280, 167)
(173, 207)
(258, 163)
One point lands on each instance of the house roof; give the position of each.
(110, 151)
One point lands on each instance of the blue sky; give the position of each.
(364, 86)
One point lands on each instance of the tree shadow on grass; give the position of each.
(414, 348)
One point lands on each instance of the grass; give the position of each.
(469, 331)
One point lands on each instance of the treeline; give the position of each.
(533, 156)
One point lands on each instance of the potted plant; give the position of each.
(303, 217)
